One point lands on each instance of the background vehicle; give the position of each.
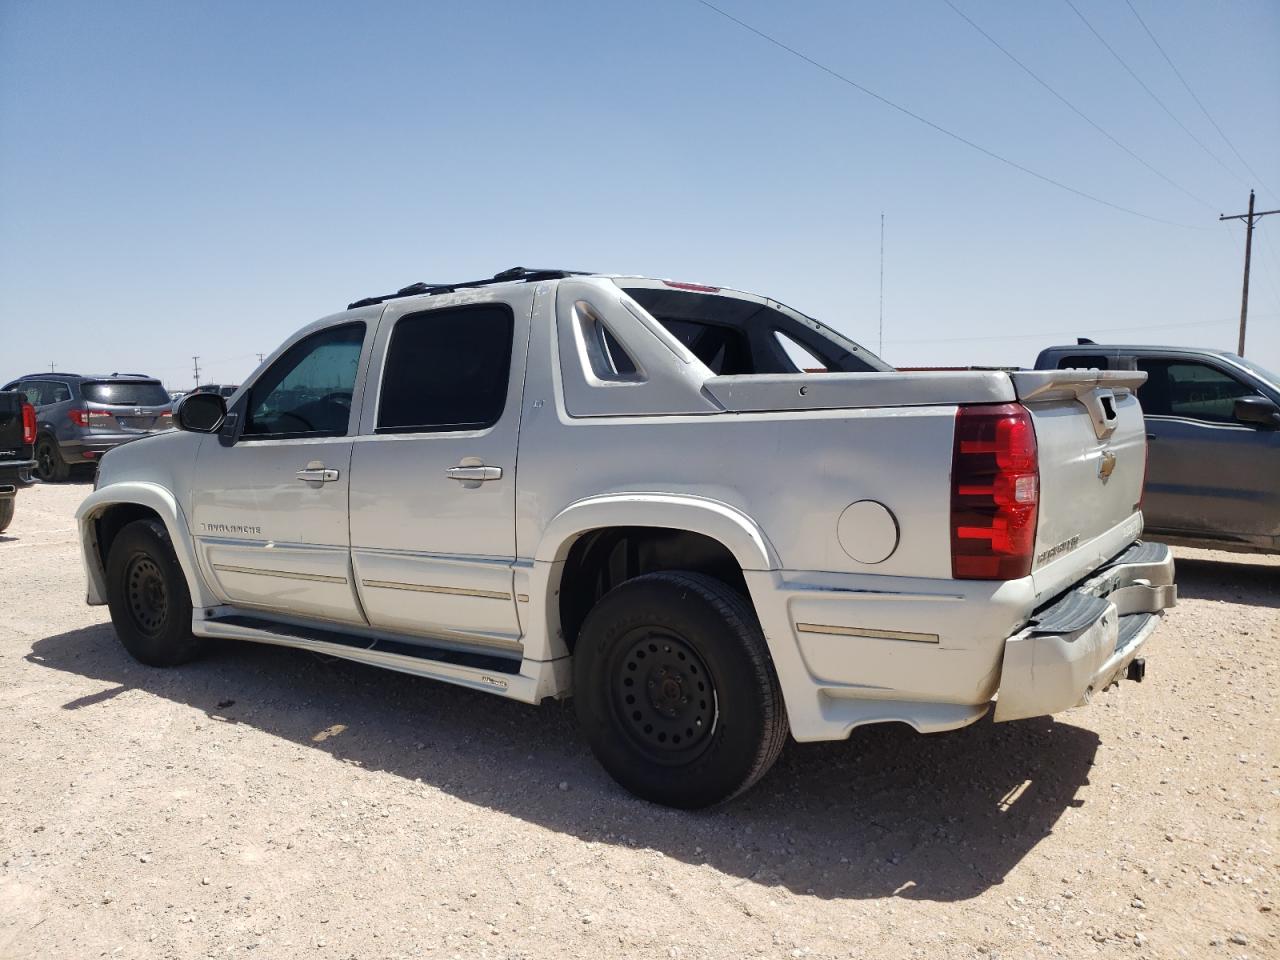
(221, 389)
(1213, 430)
(79, 418)
(628, 490)
(17, 433)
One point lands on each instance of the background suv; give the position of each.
(79, 418)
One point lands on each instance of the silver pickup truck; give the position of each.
(1213, 435)
(630, 491)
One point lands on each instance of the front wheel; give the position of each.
(676, 691)
(148, 597)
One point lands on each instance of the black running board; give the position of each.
(491, 663)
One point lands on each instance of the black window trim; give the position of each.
(238, 416)
(423, 429)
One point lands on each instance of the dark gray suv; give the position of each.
(79, 418)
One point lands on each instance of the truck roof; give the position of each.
(1136, 348)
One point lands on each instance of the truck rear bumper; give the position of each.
(1084, 640)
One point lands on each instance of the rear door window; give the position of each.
(447, 370)
(128, 393)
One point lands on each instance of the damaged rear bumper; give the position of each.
(1085, 639)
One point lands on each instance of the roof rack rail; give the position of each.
(526, 274)
(46, 373)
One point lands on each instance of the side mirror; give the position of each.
(200, 412)
(1258, 411)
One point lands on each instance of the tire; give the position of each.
(50, 467)
(676, 691)
(148, 597)
(6, 513)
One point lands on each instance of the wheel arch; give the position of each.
(105, 512)
(715, 537)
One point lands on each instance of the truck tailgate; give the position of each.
(11, 426)
(1091, 438)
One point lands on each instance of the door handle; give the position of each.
(1151, 436)
(474, 474)
(317, 473)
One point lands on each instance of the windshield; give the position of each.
(129, 393)
(733, 335)
(1262, 373)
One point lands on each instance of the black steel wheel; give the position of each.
(663, 696)
(675, 689)
(148, 596)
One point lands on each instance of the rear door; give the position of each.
(269, 501)
(433, 473)
(1208, 475)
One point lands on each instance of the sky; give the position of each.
(182, 179)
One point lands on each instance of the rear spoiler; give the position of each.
(1094, 389)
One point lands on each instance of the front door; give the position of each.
(1207, 473)
(433, 472)
(269, 504)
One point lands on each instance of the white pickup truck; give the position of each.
(710, 519)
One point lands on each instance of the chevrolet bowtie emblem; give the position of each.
(1106, 465)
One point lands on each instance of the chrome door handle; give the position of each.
(474, 474)
(315, 474)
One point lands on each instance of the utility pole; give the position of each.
(195, 364)
(51, 370)
(1250, 219)
(260, 356)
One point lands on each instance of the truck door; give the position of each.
(1207, 473)
(433, 472)
(269, 499)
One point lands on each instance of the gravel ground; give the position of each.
(264, 802)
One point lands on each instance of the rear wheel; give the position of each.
(50, 467)
(148, 596)
(675, 690)
(6, 513)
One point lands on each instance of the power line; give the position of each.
(934, 126)
(1069, 333)
(1199, 103)
(1150, 92)
(1072, 107)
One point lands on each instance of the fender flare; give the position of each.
(156, 498)
(711, 518)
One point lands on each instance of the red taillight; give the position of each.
(83, 418)
(695, 287)
(28, 424)
(995, 492)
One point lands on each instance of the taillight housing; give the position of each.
(995, 492)
(82, 417)
(28, 425)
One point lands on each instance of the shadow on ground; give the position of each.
(942, 817)
(1253, 582)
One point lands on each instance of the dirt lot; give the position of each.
(266, 803)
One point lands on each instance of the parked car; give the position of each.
(221, 389)
(626, 490)
(17, 434)
(79, 418)
(1213, 432)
